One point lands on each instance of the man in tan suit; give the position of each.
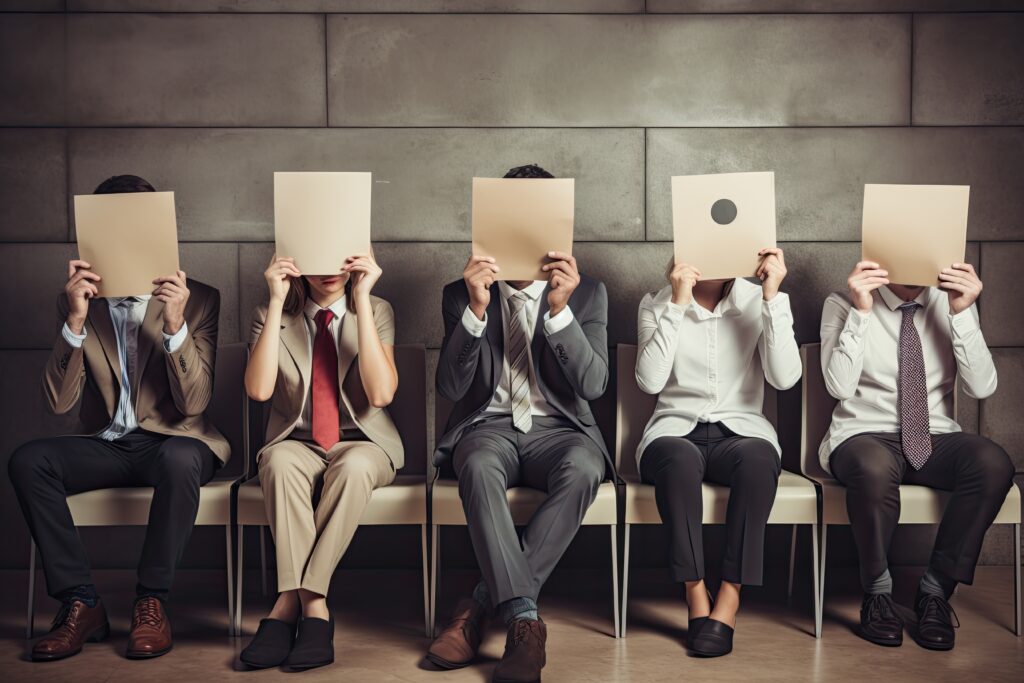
(141, 369)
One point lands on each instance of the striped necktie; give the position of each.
(518, 364)
(913, 394)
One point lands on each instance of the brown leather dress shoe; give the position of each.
(457, 645)
(151, 631)
(75, 624)
(524, 652)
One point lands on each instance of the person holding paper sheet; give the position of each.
(322, 354)
(706, 347)
(141, 369)
(892, 355)
(519, 361)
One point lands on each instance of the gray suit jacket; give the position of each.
(571, 365)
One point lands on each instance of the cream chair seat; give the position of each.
(918, 504)
(403, 502)
(130, 506)
(446, 510)
(796, 501)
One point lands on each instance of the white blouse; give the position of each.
(710, 366)
(860, 361)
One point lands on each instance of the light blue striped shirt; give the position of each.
(127, 315)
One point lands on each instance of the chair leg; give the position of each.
(792, 563)
(625, 582)
(815, 568)
(231, 579)
(822, 563)
(263, 559)
(426, 580)
(30, 622)
(616, 628)
(435, 565)
(239, 563)
(1016, 580)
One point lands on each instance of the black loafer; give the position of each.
(692, 629)
(935, 619)
(270, 646)
(713, 640)
(879, 622)
(314, 645)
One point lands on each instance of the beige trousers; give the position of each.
(310, 542)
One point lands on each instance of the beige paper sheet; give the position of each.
(129, 239)
(744, 204)
(519, 220)
(321, 218)
(914, 231)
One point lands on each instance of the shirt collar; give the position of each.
(337, 308)
(532, 291)
(115, 300)
(894, 302)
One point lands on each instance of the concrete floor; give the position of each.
(380, 639)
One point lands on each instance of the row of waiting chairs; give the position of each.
(234, 499)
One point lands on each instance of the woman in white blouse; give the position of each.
(706, 348)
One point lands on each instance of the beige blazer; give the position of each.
(295, 367)
(172, 390)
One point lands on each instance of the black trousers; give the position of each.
(677, 465)
(872, 467)
(44, 472)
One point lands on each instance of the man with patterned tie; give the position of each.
(140, 371)
(519, 361)
(892, 355)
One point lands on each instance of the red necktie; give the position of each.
(325, 382)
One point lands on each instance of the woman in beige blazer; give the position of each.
(322, 353)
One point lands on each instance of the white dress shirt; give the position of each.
(500, 403)
(860, 360)
(127, 320)
(710, 366)
(303, 428)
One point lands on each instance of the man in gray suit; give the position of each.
(520, 360)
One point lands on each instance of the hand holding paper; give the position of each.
(172, 290)
(81, 286)
(771, 272)
(564, 278)
(479, 274)
(962, 284)
(683, 277)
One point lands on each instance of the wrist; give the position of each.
(76, 323)
(555, 309)
(479, 310)
(769, 295)
(172, 327)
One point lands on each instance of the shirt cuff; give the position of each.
(75, 341)
(778, 304)
(557, 323)
(173, 342)
(963, 322)
(474, 325)
(857, 322)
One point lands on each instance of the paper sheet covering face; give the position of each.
(321, 218)
(721, 221)
(519, 220)
(129, 239)
(914, 231)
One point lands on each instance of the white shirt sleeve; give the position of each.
(558, 322)
(973, 359)
(173, 342)
(777, 346)
(843, 340)
(657, 337)
(474, 325)
(75, 341)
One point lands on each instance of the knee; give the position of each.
(673, 461)
(994, 467)
(180, 461)
(871, 472)
(759, 462)
(26, 463)
(479, 469)
(580, 469)
(352, 469)
(278, 463)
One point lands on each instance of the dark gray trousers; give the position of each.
(555, 457)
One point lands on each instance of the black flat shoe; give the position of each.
(935, 622)
(714, 639)
(270, 646)
(314, 645)
(879, 622)
(692, 629)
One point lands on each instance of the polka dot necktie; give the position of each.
(326, 420)
(913, 393)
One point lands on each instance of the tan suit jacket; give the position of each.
(295, 368)
(171, 390)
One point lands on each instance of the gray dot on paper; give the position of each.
(723, 212)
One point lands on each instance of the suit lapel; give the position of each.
(294, 340)
(495, 335)
(149, 335)
(348, 345)
(103, 326)
(538, 342)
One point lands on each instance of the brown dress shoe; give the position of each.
(524, 652)
(75, 624)
(151, 631)
(457, 645)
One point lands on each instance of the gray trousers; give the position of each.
(555, 457)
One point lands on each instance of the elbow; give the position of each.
(787, 381)
(837, 390)
(981, 393)
(258, 393)
(594, 385)
(381, 399)
(648, 387)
